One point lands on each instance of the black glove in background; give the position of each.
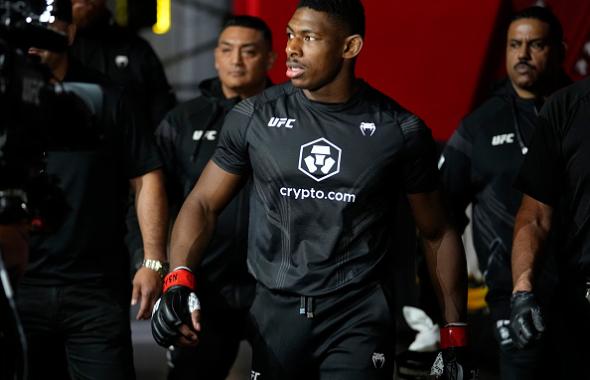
(526, 320)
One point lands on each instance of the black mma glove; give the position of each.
(450, 364)
(526, 320)
(175, 306)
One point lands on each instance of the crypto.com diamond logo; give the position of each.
(320, 159)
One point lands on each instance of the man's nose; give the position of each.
(293, 47)
(236, 57)
(524, 52)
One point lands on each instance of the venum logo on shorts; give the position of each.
(319, 159)
(254, 375)
(378, 360)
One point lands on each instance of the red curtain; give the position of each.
(437, 60)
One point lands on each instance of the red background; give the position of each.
(437, 60)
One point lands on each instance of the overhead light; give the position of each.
(163, 17)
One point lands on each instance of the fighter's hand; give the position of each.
(176, 315)
(147, 287)
(451, 363)
(526, 319)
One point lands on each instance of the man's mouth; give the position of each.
(523, 68)
(294, 70)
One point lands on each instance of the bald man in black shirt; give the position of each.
(329, 157)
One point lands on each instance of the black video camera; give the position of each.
(37, 114)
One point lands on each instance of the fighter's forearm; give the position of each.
(191, 233)
(448, 271)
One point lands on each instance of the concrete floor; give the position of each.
(150, 359)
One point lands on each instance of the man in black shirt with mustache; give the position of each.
(187, 138)
(481, 162)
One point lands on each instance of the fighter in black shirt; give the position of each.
(481, 162)
(328, 156)
(555, 179)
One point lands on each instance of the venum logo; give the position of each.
(122, 61)
(320, 159)
(506, 138)
(254, 375)
(279, 122)
(378, 360)
(368, 129)
(205, 135)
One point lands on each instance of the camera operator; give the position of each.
(74, 297)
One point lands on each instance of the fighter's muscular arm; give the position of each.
(444, 254)
(198, 215)
(532, 225)
(193, 229)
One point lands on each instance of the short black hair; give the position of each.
(545, 15)
(251, 22)
(349, 12)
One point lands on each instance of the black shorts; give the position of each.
(347, 335)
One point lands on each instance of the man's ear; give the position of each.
(71, 33)
(352, 46)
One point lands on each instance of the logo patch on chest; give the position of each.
(320, 159)
(506, 138)
(279, 122)
(205, 135)
(368, 129)
(122, 61)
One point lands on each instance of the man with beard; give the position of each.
(187, 138)
(481, 162)
(329, 157)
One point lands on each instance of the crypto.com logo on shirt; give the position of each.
(318, 159)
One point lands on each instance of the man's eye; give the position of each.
(309, 38)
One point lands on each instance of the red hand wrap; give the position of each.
(453, 336)
(182, 277)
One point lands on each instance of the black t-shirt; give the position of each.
(187, 138)
(94, 183)
(556, 171)
(479, 165)
(326, 179)
(127, 60)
